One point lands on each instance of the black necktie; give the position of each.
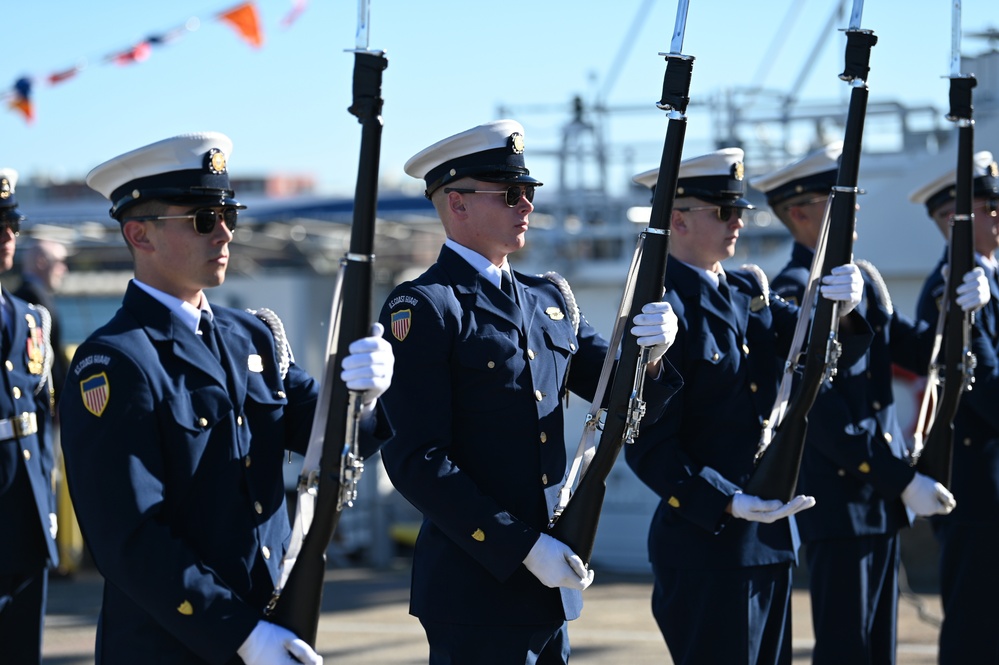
(507, 285)
(207, 330)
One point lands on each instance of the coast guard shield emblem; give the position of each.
(95, 391)
(401, 322)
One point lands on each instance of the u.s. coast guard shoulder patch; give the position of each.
(402, 322)
(95, 389)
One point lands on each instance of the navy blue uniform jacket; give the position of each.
(701, 451)
(854, 461)
(475, 398)
(174, 469)
(27, 503)
(975, 475)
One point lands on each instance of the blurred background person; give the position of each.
(43, 269)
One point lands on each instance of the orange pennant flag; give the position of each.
(245, 20)
(22, 98)
(26, 108)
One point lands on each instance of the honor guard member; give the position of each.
(969, 536)
(175, 420)
(482, 364)
(721, 558)
(855, 461)
(27, 502)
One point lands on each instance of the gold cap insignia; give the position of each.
(215, 161)
(674, 502)
(517, 143)
(554, 313)
(738, 171)
(993, 170)
(4, 188)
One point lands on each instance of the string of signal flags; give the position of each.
(243, 18)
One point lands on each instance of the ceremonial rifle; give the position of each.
(779, 457)
(935, 451)
(576, 525)
(327, 489)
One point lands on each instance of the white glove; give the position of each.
(845, 284)
(973, 292)
(754, 509)
(270, 644)
(369, 366)
(925, 496)
(656, 328)
(552, 562)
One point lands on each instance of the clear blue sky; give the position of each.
(452, 64)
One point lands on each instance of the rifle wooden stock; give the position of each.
(776, 474)
(577, 525)
(938, 448)
(299, 604)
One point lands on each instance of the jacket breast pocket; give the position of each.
(265, 399)
(189, 420)
(485, 375)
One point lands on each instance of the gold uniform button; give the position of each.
(203, 422)
(544, 437)
(544, 478)
(572, 347)
(766, 422)
(674, 502)
(27, 454)
(864, 467)
(840, 473)
(538, 396)
(280, 394)
(186, 608)
(490, 364)
(257, 507)
(266, 551)
(530, 354)
(17, 392)
(247, 462)
(753, 387)
(967, 442)
(478, 535)
(239, 420)
(745, 349)
(9, 365)
(714, 356)
(876, 405)
(887, 437)
(869, 375)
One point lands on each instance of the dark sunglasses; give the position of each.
(724, 212)
(513, 193)
(204, 219)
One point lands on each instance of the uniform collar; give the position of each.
(185, 311)
(481, 264)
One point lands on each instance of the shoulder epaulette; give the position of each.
(880, 288)
(570, 300)
(761, 279)
(284, 354)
